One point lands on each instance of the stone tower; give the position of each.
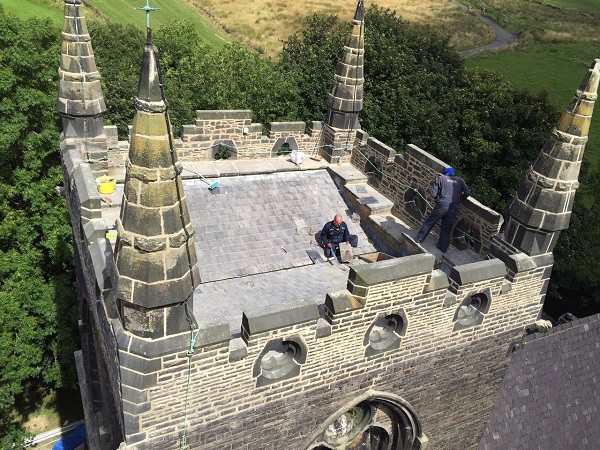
(80, 97)
(155, 253)
(544, 201)
(345, 99)
(388, 353)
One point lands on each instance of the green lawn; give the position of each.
(581, 5)
(557, 68)
(122, 11)
(33, 8)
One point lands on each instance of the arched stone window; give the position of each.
(279, 360)
(385, 333)
(466, 234)
(380, 422)
(284, 146)
(472, 310)
(374, 171)
(414, 202)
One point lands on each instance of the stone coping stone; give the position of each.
(342, 301)
(232, 114)
(191, 170)
(87, 190)
(370, 197)
(546, 259)
(362, 136)
(385, 150)
(519, 262)
(255, 128)
(460, 258)
(479, 271)
(391, 269)
(251, 167)
(279, 316)
(213, 331)
(275, 127)
(225, 168)
(284, 164)
(391, 225)
(424, 157)
(348, 173)
(487, 214)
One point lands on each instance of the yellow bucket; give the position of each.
(106, 184)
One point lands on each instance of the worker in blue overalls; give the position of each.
(447, 192)
(334, 233)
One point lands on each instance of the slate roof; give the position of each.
(550, 396)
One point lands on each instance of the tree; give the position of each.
(38, 326)
(309, 57)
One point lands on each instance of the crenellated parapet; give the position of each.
(406, 179)
(396, 319)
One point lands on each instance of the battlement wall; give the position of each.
(400, 176)
(244, 139)
(240, 388)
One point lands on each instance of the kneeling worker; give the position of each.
(334, 233)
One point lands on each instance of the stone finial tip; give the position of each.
(359, 15)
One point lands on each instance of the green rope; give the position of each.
(189, 354)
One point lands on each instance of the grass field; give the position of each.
(580, 5)
(122, 11)
(265, 23)
(33, 8)
(557, 68)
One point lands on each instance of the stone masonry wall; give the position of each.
(243, 138)
(450, 377)
(99, 362)
(417, 169)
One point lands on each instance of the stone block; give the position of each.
(342, 301)
(131, 424)
(323, 328)
(357, 291)
(95, 229)
(278, 316)
(102, 262)
(139, 364)
(212, 332)
(133, 395)
(234, 114)
(449, 299)
(275, 127)
(519, 262)
(346, 254)
(237, 349)
(137, 380)
(159, 347)
(439, 280)
(479, 271)
(506, 287)
(386, 151)
(87, 190)
(421, 155)
(392, 269)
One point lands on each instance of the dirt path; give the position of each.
(503, 39)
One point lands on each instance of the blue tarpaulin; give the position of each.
(72, 440)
